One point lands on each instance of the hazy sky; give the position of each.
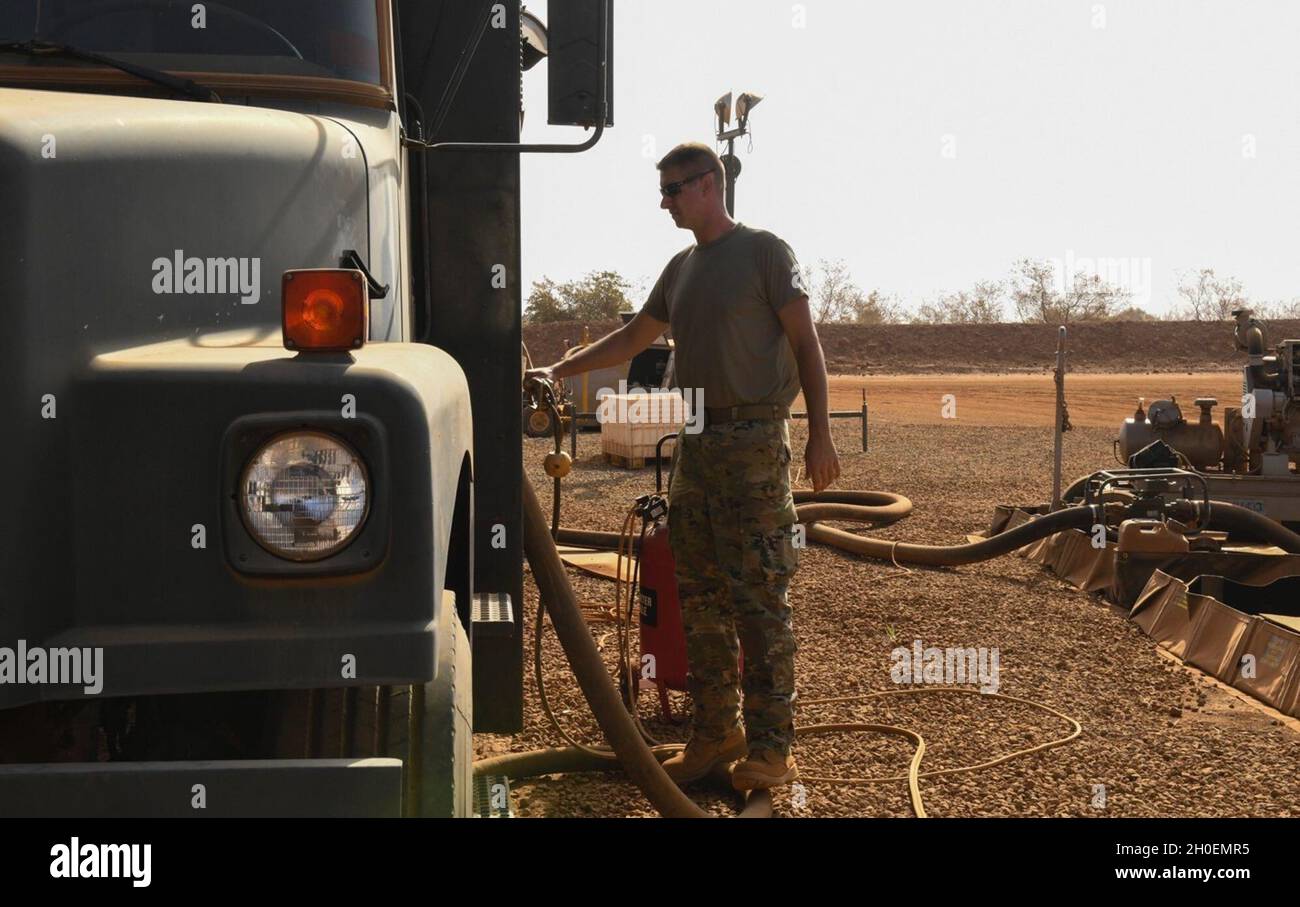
(932, 144)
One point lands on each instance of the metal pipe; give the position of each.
(1060, 419)
(864, 420)
(602, 104)
(835, 414)
(731, 179)
(586, 376)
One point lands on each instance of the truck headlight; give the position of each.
(304, 495)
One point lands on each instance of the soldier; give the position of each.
(746, 343)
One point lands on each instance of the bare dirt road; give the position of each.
(1096, 401)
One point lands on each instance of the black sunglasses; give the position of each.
(672, 190)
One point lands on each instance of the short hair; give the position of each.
(695, 154)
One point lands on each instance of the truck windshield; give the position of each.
(323, 38)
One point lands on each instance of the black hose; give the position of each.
(1234, 519)
(956, 555)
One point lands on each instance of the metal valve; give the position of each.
(652, 507)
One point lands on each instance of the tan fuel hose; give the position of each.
(1082, 517)
(879, 508)
(874, 508)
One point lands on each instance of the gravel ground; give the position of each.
(1163, 740)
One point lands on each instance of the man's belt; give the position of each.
(719, 415)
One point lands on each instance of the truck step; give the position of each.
(493, 614)
(492, 797)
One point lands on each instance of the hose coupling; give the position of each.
(1182, 510)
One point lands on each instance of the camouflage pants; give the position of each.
(731, 519)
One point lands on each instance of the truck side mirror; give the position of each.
(580, 39)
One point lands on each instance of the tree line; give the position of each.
(1035, 292)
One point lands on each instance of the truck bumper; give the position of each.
(318, 788)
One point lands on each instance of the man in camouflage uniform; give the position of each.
(745, 344)
(731, 525)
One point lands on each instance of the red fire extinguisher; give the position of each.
(662, 635)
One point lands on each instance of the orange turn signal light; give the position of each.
(325, 311)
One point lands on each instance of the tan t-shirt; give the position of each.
(721, 299)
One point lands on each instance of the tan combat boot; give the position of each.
(702, 756)
(764, 769)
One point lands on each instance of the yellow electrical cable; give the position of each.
(913, 776)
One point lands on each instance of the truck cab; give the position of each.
(264, 455)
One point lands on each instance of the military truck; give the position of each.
(259, 261)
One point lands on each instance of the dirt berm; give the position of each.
(1165, 346)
